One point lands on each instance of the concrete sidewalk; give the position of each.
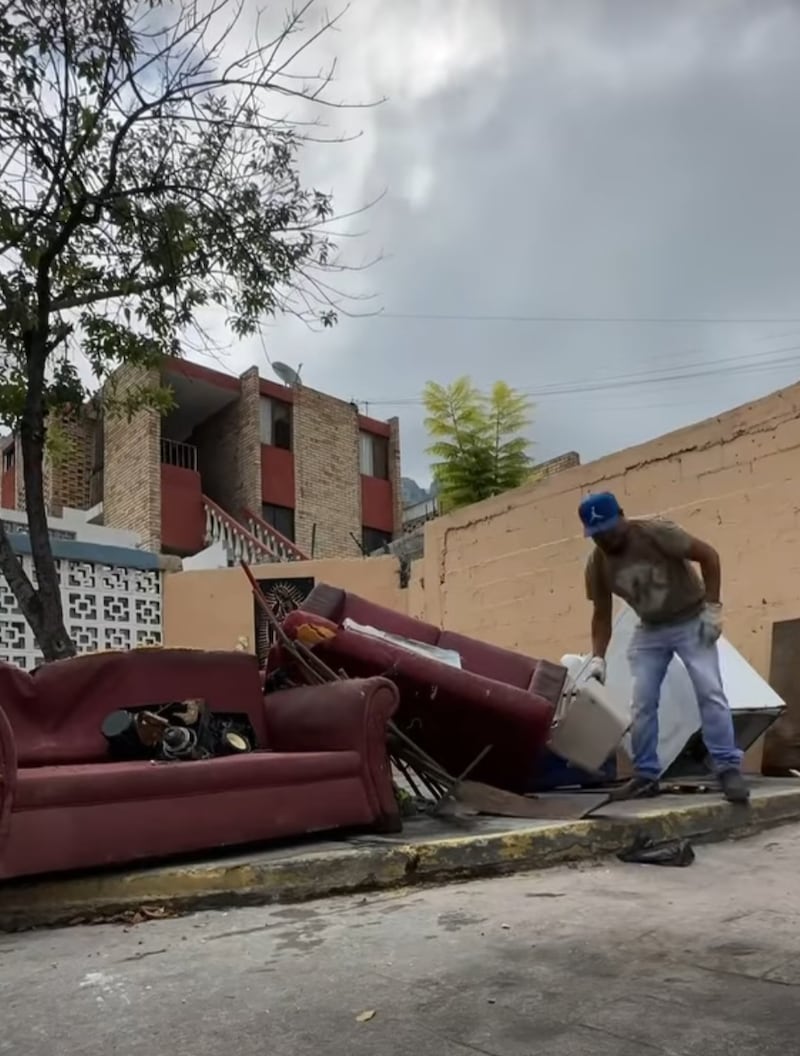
(429, 851)
(601, 959)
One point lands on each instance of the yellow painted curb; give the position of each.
(279, 876)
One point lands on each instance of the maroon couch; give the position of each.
(321, 764)
(498, 697)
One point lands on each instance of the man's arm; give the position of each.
(601, 627)
(598, 592)
(710, 568)
(673, 540)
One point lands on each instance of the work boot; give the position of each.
(734, 787)
(637, 788)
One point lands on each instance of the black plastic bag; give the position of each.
(645, 851)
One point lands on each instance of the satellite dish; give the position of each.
(288, 375)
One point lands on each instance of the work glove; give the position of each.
(710, 623)
(597, 670)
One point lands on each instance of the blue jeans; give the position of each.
(649, 655)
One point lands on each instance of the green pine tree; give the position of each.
(477, 444)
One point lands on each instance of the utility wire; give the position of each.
(732, 365)
(649, 320)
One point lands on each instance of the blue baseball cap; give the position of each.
(599, 513)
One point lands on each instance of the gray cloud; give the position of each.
(626, 158)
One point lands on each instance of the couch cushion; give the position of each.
(72, 697)
(48, 786)
(491, 661)
(337, 605)
(368, 615)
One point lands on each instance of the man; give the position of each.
(648, 563)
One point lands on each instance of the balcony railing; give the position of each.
(175, 453)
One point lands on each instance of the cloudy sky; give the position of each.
(599, 161)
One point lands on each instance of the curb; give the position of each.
(301, 876)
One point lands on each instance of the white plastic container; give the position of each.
(588, 727)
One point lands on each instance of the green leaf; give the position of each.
(477, 444)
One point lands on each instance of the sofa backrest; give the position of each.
(8, 774)
(340, 605)
(18, 701)
(490, 661)
(61, 720)
(480, 658)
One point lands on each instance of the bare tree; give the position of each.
(146, 176)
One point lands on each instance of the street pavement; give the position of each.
(601, 960)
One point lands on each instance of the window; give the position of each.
(8, 458)
(281, 518)
(276, 423)
(373, 539)
(374, 455)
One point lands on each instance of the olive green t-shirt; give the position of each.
(652, 574)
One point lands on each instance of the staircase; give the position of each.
(279, 546)
(256, 542)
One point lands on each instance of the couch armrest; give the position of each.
(336, 717)
(548, 681)
(8, 775)
(350, 715)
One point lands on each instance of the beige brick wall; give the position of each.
(229, 450)
(248, 471)
(70, 476)
(19, 479)
(66, 479)
(395, 472)
(132, 464)
(327, 475)
(556, 465)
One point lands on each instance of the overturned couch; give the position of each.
(320, 762)
(458, 696)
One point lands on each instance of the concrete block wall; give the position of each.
(190, 596)
(510, 570)
(327, 476)
(132, 464)
(229, 450)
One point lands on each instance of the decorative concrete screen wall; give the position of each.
(112, 599)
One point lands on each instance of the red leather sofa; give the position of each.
(497, 697)
(321, 764)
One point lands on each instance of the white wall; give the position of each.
(75, 521)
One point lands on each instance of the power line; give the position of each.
(649, 320)
(745, 365)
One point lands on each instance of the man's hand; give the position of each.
(710, 623)
(597, 670)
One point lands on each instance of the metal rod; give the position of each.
(406, 772)
(454, 787)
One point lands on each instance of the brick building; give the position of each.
(269, 471)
